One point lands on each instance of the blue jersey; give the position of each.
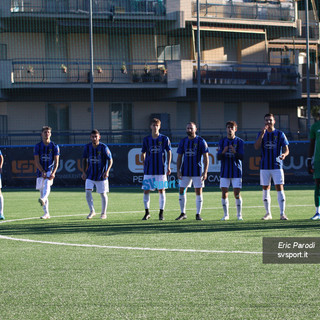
(271, 148)
(98, 158)
(46, 155)
(231, 163)
(192, 151)
(154, 163)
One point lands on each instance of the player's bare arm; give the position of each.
(285, 152)
(55, 167)
(258, 142)
(39, 166)
(206, 166)
(106, 174)
(1, 163)
(169, 154)
(179, 162)
(84, 168)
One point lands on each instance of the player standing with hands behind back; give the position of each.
(96, 165)
(46, 157)
(274, 149)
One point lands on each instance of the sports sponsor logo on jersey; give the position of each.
(190, 152)
(270, 145)
(155, 149)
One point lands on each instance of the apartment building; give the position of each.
(145, 64)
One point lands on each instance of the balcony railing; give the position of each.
(142, 7)
(274, 10)
(314, 85)
(247, 74)
(53, 71)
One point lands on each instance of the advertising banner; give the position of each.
(19, 169)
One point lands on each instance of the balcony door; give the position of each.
(58, 115)
(56, 55)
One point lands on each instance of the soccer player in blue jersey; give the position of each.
(1, 196)
(46, 156)
(96, 164)
(230, 154)
(274, 149)
(153, 152)
(190, 170)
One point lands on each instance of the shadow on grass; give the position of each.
(107, 228)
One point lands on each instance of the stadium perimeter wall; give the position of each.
(19, 168)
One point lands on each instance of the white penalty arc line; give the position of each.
(126, 248)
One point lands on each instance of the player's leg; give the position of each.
(237, 185)
(237, 196)
(103, 189)
(89, 185)
(1, 206)
(265, 182)
(278, 179)
(146, 202)
(316, 175)
(224, 187)
(185, 183)
(46, 189)
(162, 203)
(199, 202)
(45, 207)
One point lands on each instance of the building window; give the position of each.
(166, 53)
(121, 122)
(3, 52)
(58, 116)
(282, 121)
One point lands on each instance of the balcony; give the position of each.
(245, 75)
(33, 72)
(272, 10)
(78, 7)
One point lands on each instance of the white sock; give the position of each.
(90, 200)
(225, 206)
(183, 202)
(266, 200)
(45, 190)
(239, 207)
(46, 207)
(282, 202)
(162, 200)
(1, 204)
(199, 201)
(146, 200)
(104, 202)
(317, 209)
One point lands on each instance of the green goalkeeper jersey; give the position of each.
(315, 134)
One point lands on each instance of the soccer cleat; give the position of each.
(283, 217)
(146, 216)
(45, 216)
(161, 217)
(198, 217)
(41, 201)
(225, 218)
(91, 215)
(240, 218)
(2, 217)
(267, 216)
(103, 216)
(316, 217)
(182, 216)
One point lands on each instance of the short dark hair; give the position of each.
(269, 115)
(232, 124)
(156, 121)
(192, 123)
(95, 131)
(46, 128)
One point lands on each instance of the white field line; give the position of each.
(124, 248)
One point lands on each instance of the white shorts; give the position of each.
(40, 181)
(152, 182)
(101, 186)
(185, 182)
(236, 182)
(277, 176)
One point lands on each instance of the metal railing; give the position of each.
(247, 74)
(247, 9)
(142, 7)
(56, 71)
(12, 138)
